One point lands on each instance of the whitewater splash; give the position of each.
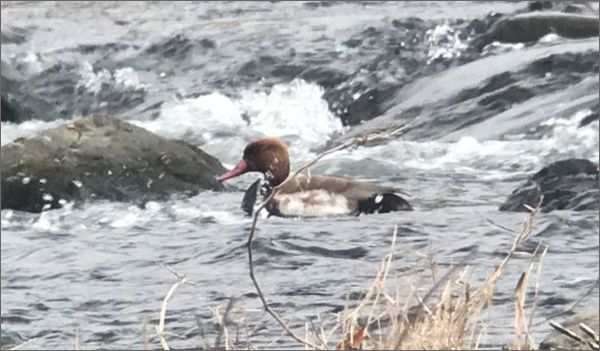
(443, 43)
(501, 159)
(222, 126)
(121, 79)
(11, 131)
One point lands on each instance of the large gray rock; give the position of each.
(570, 184)
(558, 341)
(528, 27)
(99, 157)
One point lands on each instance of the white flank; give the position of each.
(312, 203)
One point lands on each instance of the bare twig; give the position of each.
(222, 327)
(160, 328)
(145, 333)
(591, 344)
(559, 328)
(76, 344)
(501, 226)
(574, 304)
(589, 332)
(357, 141)
(18, 347)
(537, 287)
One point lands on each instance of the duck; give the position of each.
(308, 195)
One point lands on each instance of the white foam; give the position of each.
(222, 125)
(549, 38)
(128, 220)
(123, 78)
(443, 42)
(497, 47)
(33, 64)
(492, 158)
(11, 131)
(196, 119)
(295, 109)
(92, 81)
(127, 77)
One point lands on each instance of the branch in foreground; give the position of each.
(160, 328)
(356, 141)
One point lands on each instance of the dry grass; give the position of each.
(446, 316)
(422, 309)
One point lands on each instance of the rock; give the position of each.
(529, 27)
(15, 35)
(29, 95)
(561, 6)
(99, 157)
(570, 184)
(592, 116)
(559, 341)
(17, 106)
(539, 5)
(18, 102)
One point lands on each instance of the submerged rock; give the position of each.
(592, 116)
(100, 157)
(570, 184)
(17, 103)
(529, 27)
(15, 35)
(559, 341)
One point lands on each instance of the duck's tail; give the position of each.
(384, 203)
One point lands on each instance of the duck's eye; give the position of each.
(250, 165)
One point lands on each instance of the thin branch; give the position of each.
(160, 328)
(145, 333)
(222, 327)
(537, 287)
(589, 332)
(574, 304)
(356, 141)
(559, 328)
(175, 273)
(18, 347)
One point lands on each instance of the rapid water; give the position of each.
(96, 268)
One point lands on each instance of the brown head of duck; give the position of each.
(268, 156)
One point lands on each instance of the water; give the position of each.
(93, 267)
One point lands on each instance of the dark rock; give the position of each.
(593, 116)
(57, 89)
(99, 157)
(367, 105)
(390, 57)
(529, 27)
(575, 8)
(17, 104)
(559, 341)
(324, 76)
(539, 5)
(11, 339)
(317, 4)
(570, 184)
(15, 35)
(479, 27)
(176, 48)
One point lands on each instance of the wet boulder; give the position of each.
(101, 157)
(559, 341)
(570, 184)
(529, 27)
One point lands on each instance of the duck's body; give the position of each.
(309, 195)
